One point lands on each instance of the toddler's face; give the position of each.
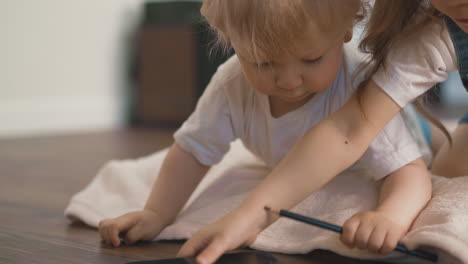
(455, 9)
(294, 78)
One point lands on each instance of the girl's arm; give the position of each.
(178, 177)
(325, 150)
(322, 153)
(403, 195)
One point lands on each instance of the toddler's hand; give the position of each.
(373, 231)
(232, 231)
(134, 226)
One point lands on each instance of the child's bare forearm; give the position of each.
(325, 151)
(179, 176)
(405, 192)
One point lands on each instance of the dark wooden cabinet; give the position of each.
(173, 62)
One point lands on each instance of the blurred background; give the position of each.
(74, 66)
(63, 64)
(450, 101)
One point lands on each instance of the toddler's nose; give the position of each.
(289, 79)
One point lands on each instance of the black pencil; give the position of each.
(339, 229)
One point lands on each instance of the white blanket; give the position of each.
(123, 186)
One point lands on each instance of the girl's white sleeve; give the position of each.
(208, 132)
(417, 63)
(393, 148)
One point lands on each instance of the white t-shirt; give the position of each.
(418, 63)
(230, 109)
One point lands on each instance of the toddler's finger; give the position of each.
(120, 225)
(211, 253)
(349, 231)
(376, 239)
(134, 234)
(126, 221)
(104, 227)
(192, 246)
(106, 230)
(390, 243)
(113, 233)
(101, 231)
(363, 233)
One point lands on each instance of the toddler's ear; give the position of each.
(348, 36)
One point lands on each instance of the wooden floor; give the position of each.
(39, 175)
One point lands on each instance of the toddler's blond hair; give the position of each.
(266, 28)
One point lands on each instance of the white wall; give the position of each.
(62, 64)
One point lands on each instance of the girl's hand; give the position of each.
(232, 231)
(373, 231)
(133, 226)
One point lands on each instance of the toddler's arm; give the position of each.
(403, 195)
(179, 175)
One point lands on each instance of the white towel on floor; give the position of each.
(123, 186)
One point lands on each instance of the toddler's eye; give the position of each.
(264, 64)
(313, 61)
